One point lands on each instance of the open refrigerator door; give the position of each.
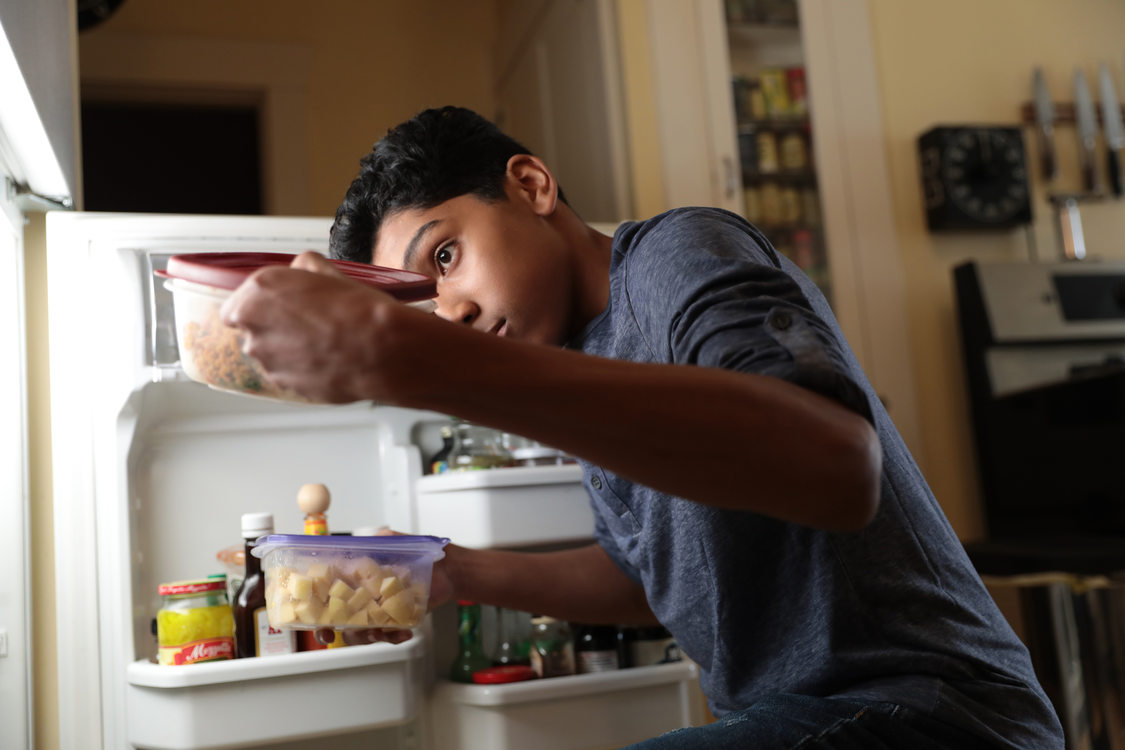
(152, 472)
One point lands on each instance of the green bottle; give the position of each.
(471, 656)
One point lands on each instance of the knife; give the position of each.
(1114, 131)
(1045, 120)
(1087, 131)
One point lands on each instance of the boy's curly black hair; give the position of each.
(436, 155)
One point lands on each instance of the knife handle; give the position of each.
(1089, 174)
(1114, 161)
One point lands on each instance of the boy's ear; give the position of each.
(534, 183)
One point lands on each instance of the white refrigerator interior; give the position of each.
(152, 472)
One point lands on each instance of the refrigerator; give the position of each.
(152, 472)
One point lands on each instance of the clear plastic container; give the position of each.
(347, 583)
(211, 352)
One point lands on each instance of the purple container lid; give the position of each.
(397, 544)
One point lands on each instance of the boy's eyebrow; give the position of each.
(415, 241)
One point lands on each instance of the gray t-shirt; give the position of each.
(893, 612)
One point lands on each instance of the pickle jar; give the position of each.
(195, 623)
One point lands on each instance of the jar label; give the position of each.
(596, 661)
(270, 641)
(208, 649)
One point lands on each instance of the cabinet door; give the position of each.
(559, 93)
(689, 62)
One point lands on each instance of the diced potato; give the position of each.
(300, 587)
(286, 614)
(377, 616)
(281, 574)
(359, 599)
(320, 570)
(337, 609)
(390, 586)
(308, 611)
(341, 590)
(400, 607)
(366, 568)
(321, 587)
(374, 585)
(358, 618)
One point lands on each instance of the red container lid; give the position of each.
(499, 675)
(229, 270)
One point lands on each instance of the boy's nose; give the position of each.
(458, 312)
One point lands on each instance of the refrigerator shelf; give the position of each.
(246, 702)
(511, 507)
(580, 685)
(606, 709)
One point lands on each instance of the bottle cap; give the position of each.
(509, 673)
(542, 619)
(255, 525)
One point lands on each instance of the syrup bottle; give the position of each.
(253, 635)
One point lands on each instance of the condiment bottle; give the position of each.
(652, 645)
(512, 645)
(552, 647)
(471, 657)
(595, 648)
(439, 462)
(252, 632)
(314, 499)
(194, 624)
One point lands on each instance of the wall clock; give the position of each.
(974, 177)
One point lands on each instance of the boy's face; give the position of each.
(500, 266)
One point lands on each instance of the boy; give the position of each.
(750, 492)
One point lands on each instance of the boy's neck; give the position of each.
(592, 251)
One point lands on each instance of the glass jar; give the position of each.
(512, 645)
(195, 623)
(595, 648)
(552, 647)
(477, 447)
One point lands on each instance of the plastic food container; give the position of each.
(347, 583)
(211, 352)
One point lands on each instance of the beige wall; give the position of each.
(363, 66)
(964, 61)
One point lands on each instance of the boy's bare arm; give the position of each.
(577, 585)
(717, 437)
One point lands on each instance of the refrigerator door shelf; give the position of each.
(605, 709)
(247, 702)
(518, 506)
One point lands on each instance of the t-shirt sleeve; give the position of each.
(605, 540)
(707, 289)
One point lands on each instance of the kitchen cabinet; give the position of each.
(694, 55)
(662, 99)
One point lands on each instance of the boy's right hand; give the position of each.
(441, 591)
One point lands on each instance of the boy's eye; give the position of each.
(443, 256)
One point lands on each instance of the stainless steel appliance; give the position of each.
(1044, 351)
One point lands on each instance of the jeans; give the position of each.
(801, 722)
